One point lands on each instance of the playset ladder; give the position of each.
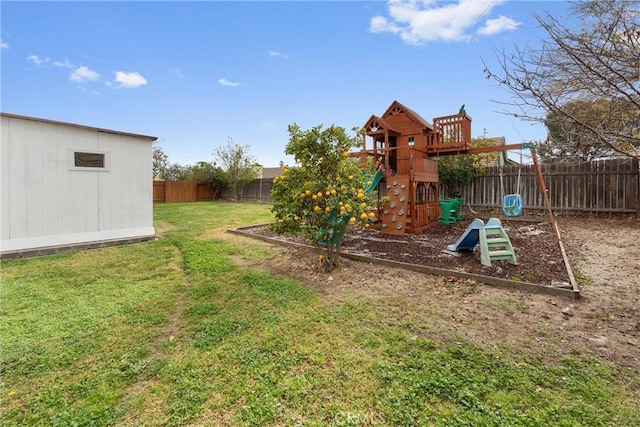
(495, 244)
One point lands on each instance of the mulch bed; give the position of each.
(538, 254)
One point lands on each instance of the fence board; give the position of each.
(158, 192)
(174, 191)
(205, 193)
(597, 186)
(259, 190)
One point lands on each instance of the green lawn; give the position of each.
(173, 332)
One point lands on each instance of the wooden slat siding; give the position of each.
(597, 186)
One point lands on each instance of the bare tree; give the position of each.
(238, 164)
(212, 175)
(160, 159)
(584, 84)
(176, 172)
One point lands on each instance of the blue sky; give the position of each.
(197, 73)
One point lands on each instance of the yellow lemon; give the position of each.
(352, 220)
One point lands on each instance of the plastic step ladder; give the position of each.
(495, 244)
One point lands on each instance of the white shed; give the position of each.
(68, 186)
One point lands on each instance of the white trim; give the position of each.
(72, 160)
(76, 238)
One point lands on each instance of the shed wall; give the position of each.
(47, 202)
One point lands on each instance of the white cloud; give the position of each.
(4, 45)
(275, 54)
(90, 92)
(418, 22)
(63, 64)
(498, 25)
(176, 72)
(225, 82)
(40, 62)
(268, 126)
(129, 80)
(83, 74)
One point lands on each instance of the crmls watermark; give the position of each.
(350, 418)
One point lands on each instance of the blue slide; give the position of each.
(470, 238)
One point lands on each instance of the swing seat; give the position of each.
(512, 205)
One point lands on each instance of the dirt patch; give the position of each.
(538, 256)
(604, 253)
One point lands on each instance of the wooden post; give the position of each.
(386, 150)
(545, 193)
(554, 224)
(363, 154)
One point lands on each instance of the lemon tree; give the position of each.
(325, 193)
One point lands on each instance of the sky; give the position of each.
(197, 74)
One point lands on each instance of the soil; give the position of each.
(604, 255)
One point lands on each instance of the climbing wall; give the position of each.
(394, 212)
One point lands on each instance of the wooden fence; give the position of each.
(611, 186)
(605, 186)
(181, 191)
(259, 190)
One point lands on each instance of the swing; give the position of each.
(512, 204)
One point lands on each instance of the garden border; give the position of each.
(572, 293)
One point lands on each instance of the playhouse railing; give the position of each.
(424, 215)
(451, 134)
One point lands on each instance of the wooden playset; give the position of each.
(405, 147)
